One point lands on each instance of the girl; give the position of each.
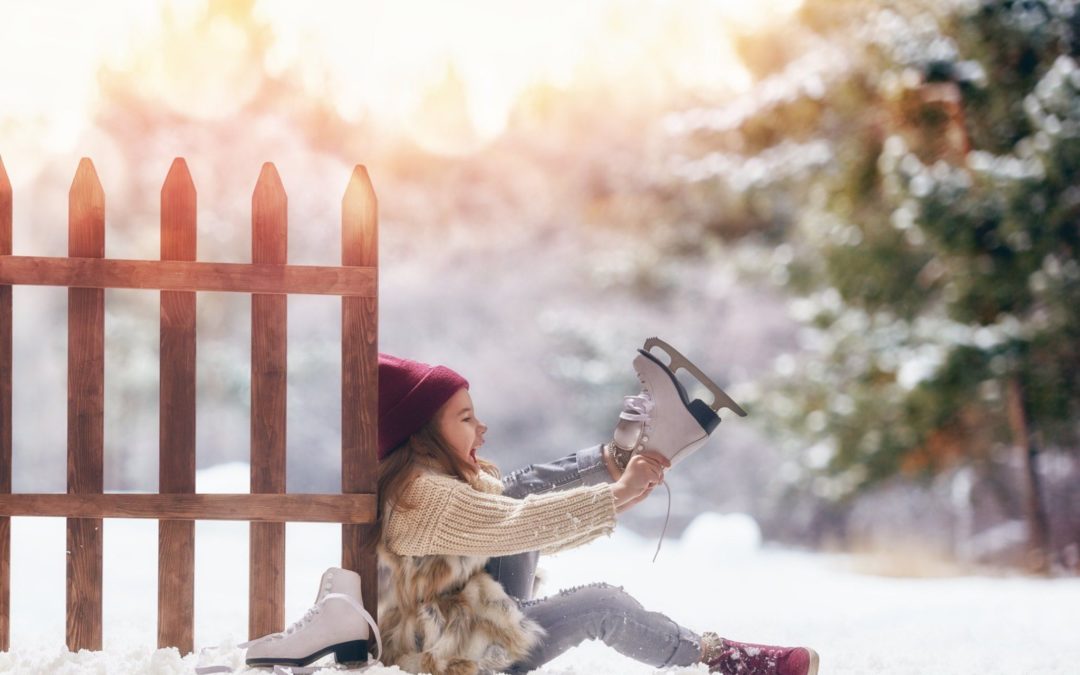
(457, 547)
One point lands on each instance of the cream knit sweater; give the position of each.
(453, 517)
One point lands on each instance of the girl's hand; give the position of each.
(642, 474)
(619, 508)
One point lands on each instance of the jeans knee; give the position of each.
(603, 597)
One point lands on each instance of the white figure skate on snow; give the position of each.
(337, 623)
(662, 417)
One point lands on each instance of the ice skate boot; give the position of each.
(662, 417)
(336, 623)
(744, 658)
(338, 580)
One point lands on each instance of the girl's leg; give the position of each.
(605, 612)
(517, 573)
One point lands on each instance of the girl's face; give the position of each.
(460, 427)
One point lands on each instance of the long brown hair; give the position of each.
(425, 448)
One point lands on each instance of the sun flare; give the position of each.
(445, 74)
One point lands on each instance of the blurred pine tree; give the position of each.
(925, 159)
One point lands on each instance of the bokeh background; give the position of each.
(862, 218)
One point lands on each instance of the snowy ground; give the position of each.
(716, 578)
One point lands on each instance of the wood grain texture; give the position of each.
(262, 508)
(360, 375)
(269, 329)
(5, 414)
(176, 440)
(5, 582)
(86, 419)
(174, 275)
(176, 585)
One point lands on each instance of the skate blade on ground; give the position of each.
(351, 654)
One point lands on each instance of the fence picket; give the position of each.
(176, 440)
(360, 373)
(269, 328)
(86, 419)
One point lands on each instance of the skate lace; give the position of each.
(296, 625)
(667, 517)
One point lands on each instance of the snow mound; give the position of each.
(718, 537)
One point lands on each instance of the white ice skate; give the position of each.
(336, 623)
(662, 417)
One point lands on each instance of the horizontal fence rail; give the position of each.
(188, 276)
(263, 508)
(86, 272)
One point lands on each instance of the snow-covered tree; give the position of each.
(919, 162)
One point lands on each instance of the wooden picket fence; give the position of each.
(177, 275)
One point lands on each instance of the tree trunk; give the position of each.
(1026, 444)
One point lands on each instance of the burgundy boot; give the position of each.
(743, 658)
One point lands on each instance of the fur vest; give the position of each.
(445, 615)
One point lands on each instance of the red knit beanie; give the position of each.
(410, 392)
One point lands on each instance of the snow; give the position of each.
(719, 577)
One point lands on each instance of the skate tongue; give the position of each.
(636, 408)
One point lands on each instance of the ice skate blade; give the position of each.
(703, 414)
(353, 653)
(677, 361)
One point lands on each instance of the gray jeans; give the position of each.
(594, 611)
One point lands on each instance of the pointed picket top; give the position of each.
(359, 220)
(86, 178)
(178, 213)
(268, 179)
(359, 186)
(269, 218)
(86, 213)
(5, 211)
(178, 180)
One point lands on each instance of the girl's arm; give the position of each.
(588, 466)
(452, 518)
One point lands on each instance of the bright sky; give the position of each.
(385, 59)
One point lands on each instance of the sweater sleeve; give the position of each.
(452, 518)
